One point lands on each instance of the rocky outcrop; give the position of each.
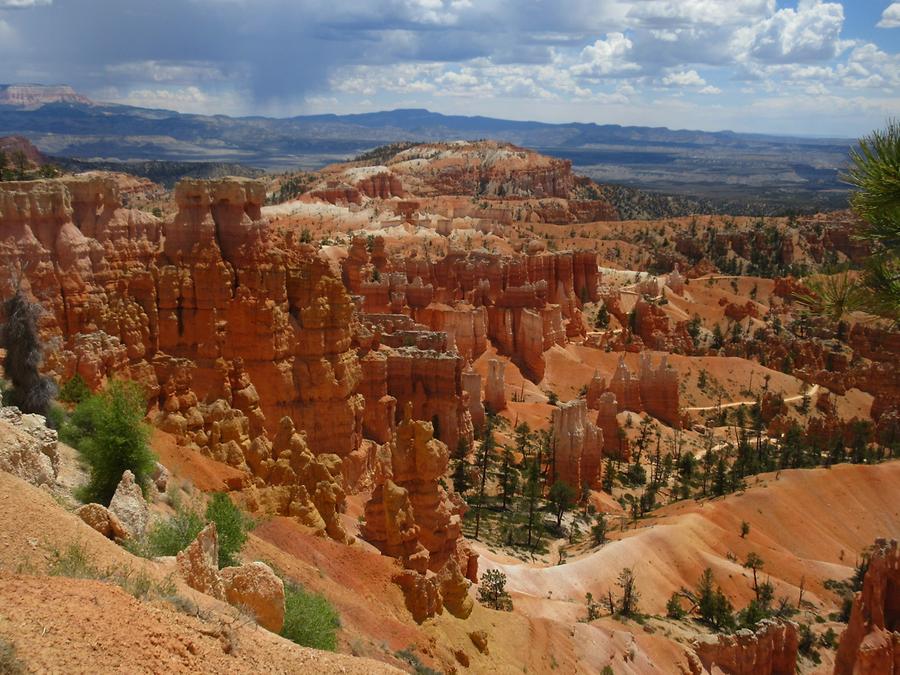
(129, 506)
(292, 481)
(411, 517)
(659, 390)
(379, 417)
(769, 650)
(578, 445)
(595, 389)
(409, 512)
(103, 520)
(257, 590)
(871, 642)
(28, 448)
(198, 564)
(524, 304)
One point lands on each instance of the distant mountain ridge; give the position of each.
(777, 173)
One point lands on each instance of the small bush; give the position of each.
(674, 610)
(169, 537)
(413, 660)
(231, 527)
(309, 619)
(109, 431)
(9, 662)
(75, 390)
(76, 562)
(807, 645)
(492, 591)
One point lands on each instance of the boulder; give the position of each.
(129, 506)
(198, 564)
(479, 638)
(256, 588)
(103, 520)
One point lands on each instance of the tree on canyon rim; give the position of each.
(875, 173)
(31, 392)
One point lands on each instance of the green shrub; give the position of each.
(109, 431)
(75, 390)
(309, 619)
(231, 526)
(169, 537)
(674, 610)
(415, 662)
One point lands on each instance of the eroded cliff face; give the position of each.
(523, 304)
(871, 642)
(229, 328)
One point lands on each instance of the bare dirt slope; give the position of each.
(809, 524)
(59, 624)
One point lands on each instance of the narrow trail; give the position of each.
(734, 404)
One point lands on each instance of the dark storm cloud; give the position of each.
(274, 48)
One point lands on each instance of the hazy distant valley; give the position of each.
(732, 172)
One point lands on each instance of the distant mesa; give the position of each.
(33, 96)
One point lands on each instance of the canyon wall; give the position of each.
(229, 328)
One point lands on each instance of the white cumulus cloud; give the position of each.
(606, 58)
(23, 4)
(685, 78)
(890, 18)
(809, 33)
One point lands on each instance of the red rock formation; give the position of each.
(657, 331)
(524, 304)
(675, 280)
(659, 390)
(381, 408)
(626, 388)
(595, 389)
(432, 382)
(494, 388)
(769, 650)
(184, 300)
(870, 644)
(614, 442)
(578, 445)
(471, 382)
(653, 390)
(411, 517)
(466, 326)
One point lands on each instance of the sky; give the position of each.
(811, 67)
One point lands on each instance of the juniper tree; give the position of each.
(31, 392)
